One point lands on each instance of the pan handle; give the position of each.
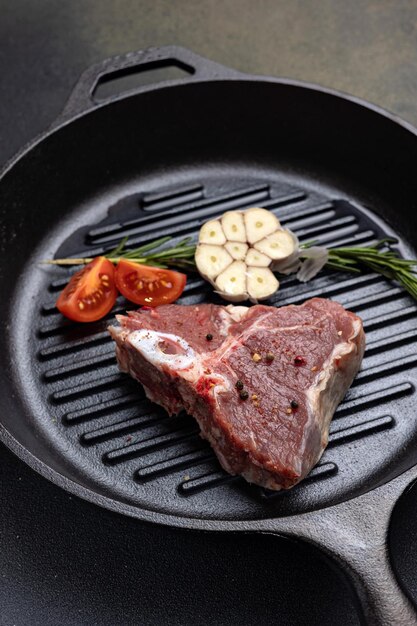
(195, 68)
(355, 533)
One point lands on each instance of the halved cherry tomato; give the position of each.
(146, 285)
(91, 292)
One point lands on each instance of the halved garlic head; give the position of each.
(235, 253)
(261, 283)
(211, 232)
(259, 223)
(211, 260)
(236, 249)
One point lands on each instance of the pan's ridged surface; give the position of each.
(119, 443)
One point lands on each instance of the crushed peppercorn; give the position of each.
(294, 404)
(269, 357)
(299, 360)
(256, 357)
(239, 385)
(209, 337)
(244, 395)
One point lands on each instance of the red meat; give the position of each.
(262, 382)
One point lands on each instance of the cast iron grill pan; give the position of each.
(162, 161)
(161, 463)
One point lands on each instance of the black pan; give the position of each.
(162, 159)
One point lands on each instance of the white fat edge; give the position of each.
(237, 313)
(227, 317)
(147, 343)
(269, 481)
(221, 385)
(328, 372)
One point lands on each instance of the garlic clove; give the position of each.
(236, 249)
(232, 281)
(211, 260)
(257, 259)
(278, 245)
(260, 283)
(234, 226)
(259, 224)
(212, 233)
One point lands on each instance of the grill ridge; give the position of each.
(97, 410)
(119, 428)
(145, 446)
(201, 212)
(175, 197)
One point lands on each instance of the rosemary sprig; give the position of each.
(348, 259)
(180, 255)
(385, 262)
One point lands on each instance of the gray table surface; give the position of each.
(366, 48)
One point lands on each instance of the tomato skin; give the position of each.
(91, 292)
(149, 286)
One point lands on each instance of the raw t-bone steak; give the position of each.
(262, 382)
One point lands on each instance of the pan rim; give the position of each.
(266, 525)
(64, 120)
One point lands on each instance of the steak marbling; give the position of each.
(295, 364)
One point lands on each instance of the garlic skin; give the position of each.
(238, 252)
(316, 258)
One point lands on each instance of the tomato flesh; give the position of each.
(91, 292)
(146, 285)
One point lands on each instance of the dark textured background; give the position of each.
(63, 560)
(362, 47)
